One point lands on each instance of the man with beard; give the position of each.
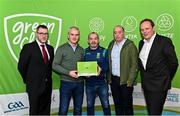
(97, 85)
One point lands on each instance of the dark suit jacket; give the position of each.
(161, 65)
(34, 71)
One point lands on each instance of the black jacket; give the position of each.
(35, 73)
(161, 65)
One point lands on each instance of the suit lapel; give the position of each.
(38, 53)
(51, 53)
(140, 47)
(152, 53)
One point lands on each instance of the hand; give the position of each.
(109, 82)
(73, 74)
(99, 70)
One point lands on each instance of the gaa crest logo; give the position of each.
(96, 24)
(20, 29)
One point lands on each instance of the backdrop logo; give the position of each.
(129, 23)
(15, 106)
(164, 22)
(96, 24)
(20, 29)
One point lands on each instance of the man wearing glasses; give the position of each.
(35, 67)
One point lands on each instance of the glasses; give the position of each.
(42, 33)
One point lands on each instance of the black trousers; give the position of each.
(40, 103)
(155, 101)
(122, 97)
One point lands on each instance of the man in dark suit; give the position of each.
(35, 67)
(158, 64)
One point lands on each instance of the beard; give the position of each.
(93, 45)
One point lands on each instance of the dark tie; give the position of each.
(45, 56)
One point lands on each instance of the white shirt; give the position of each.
(115, 57)
(39, 44)
(73, 46)
(144, 53)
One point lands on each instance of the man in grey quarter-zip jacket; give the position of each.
(65, 64)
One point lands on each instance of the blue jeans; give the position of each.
(102, 91)
(68, 90)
